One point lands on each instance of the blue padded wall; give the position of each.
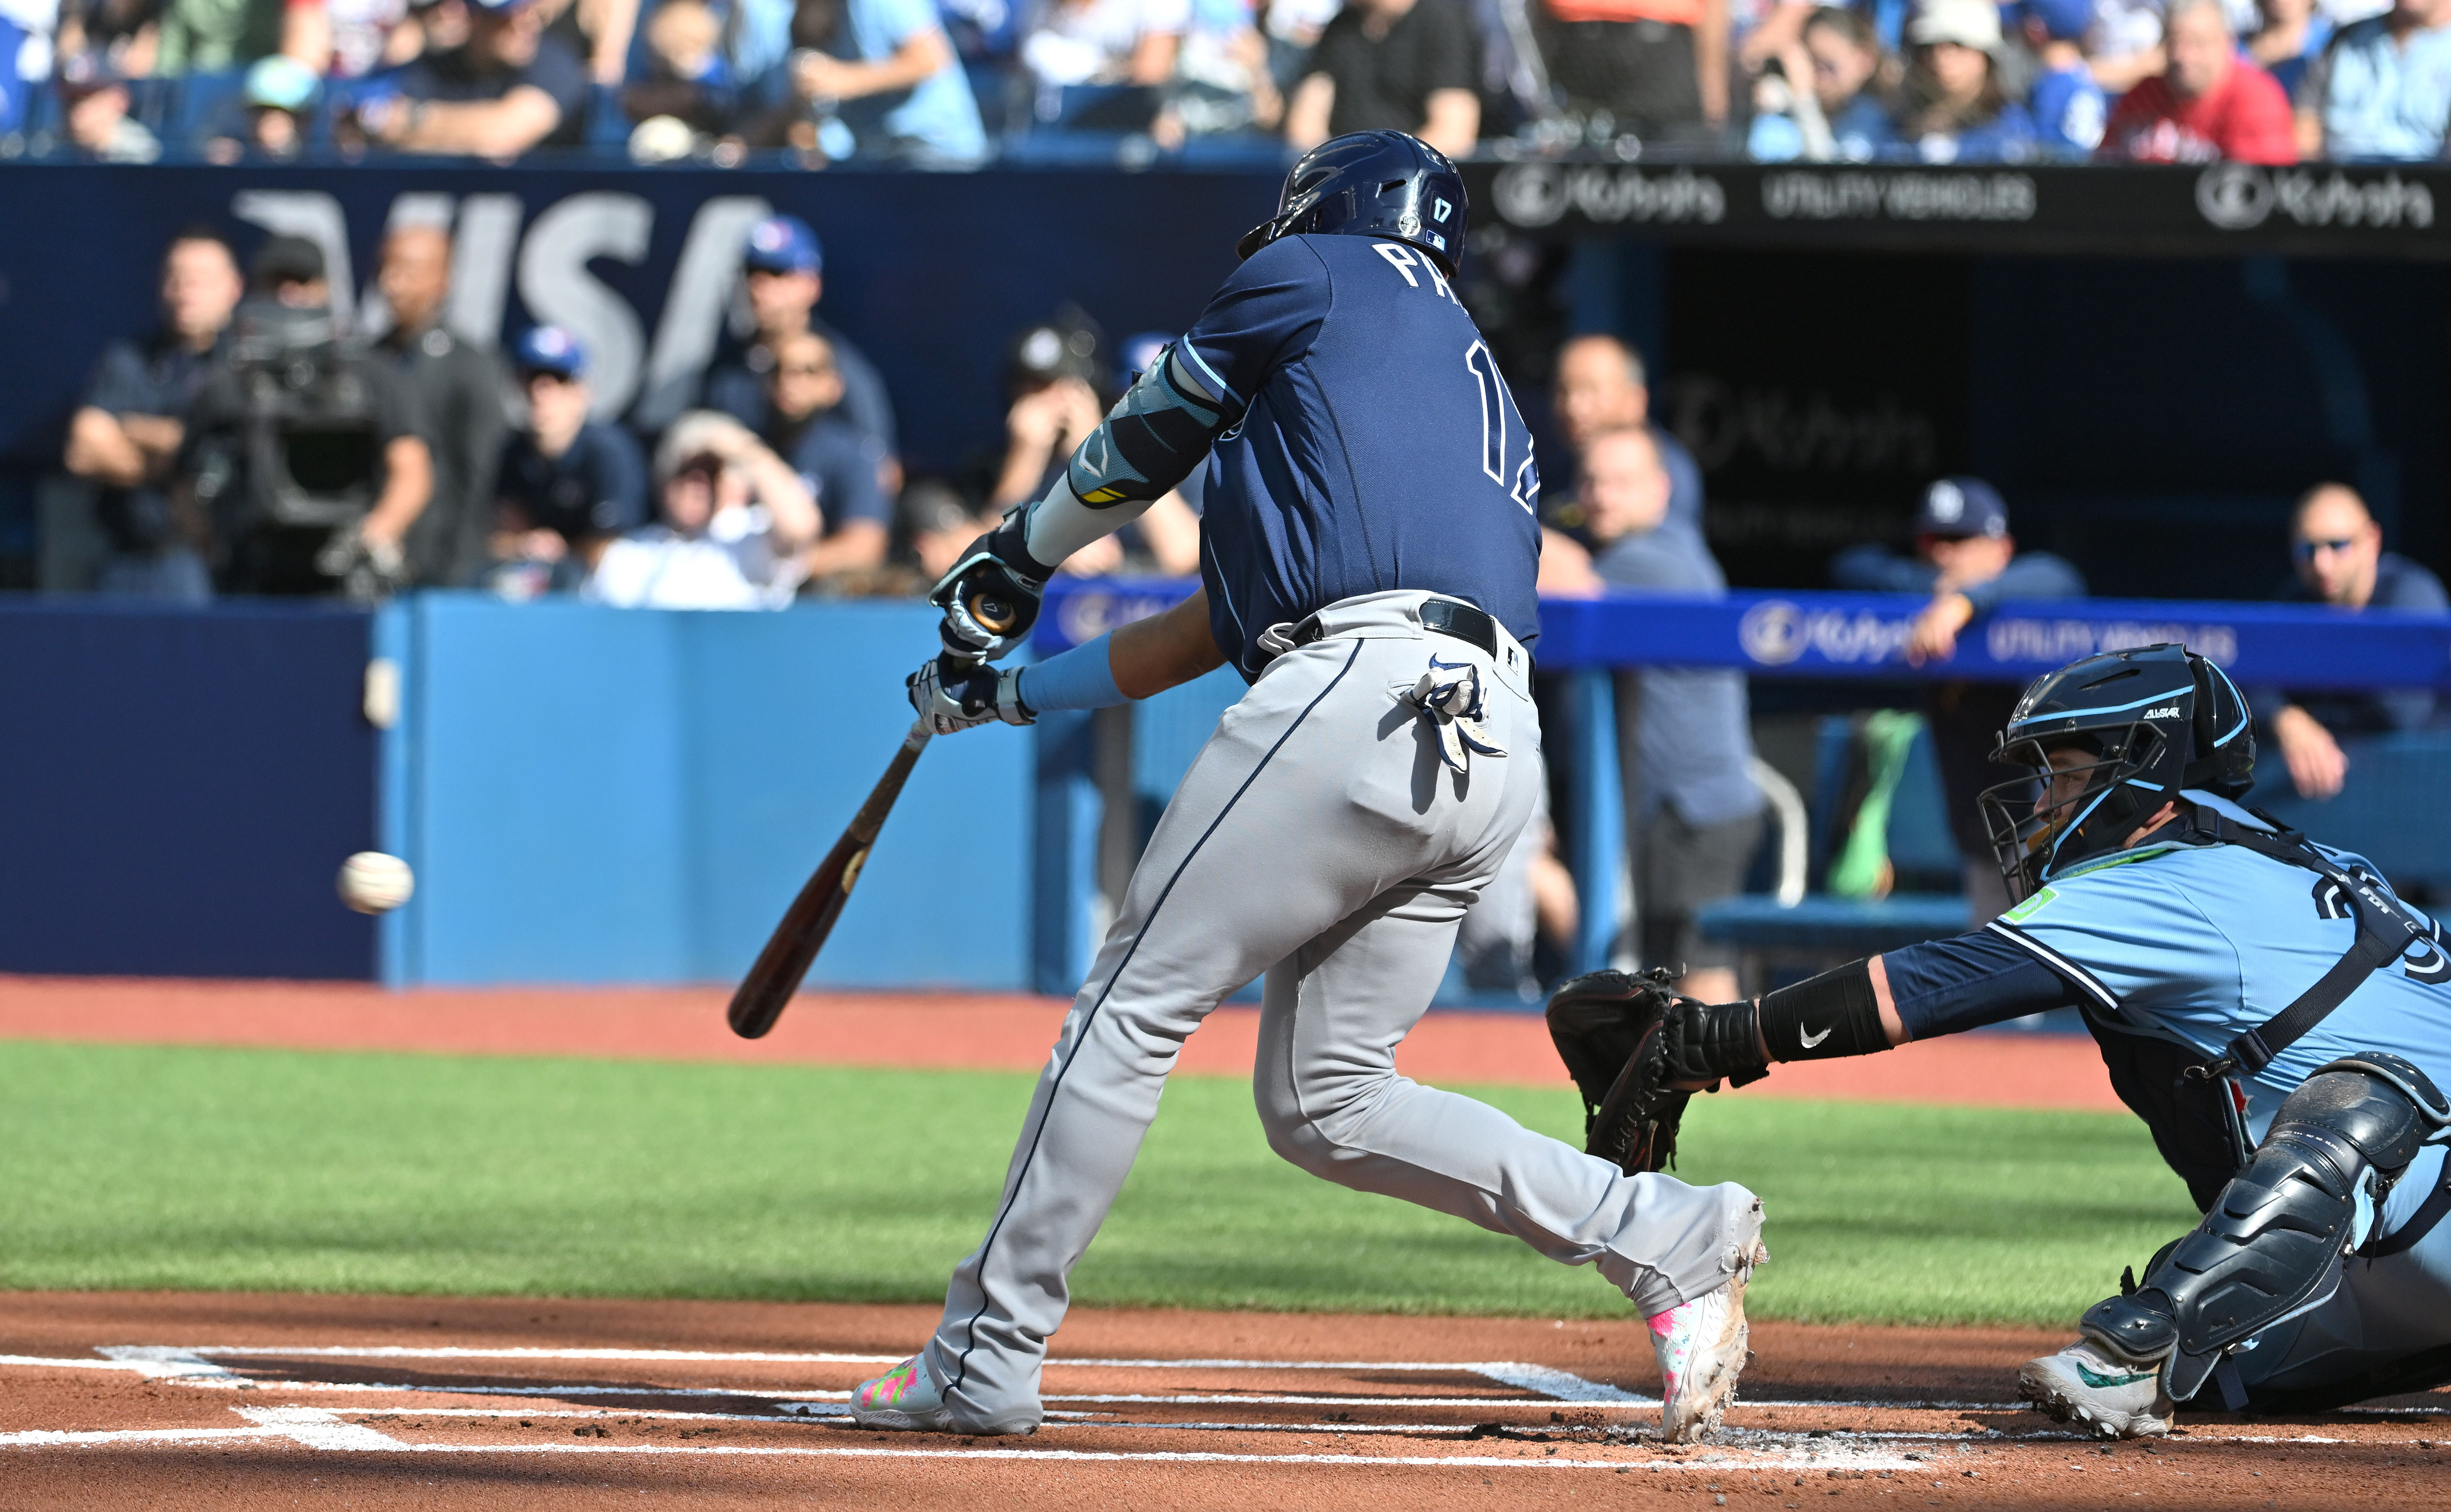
(178, 789)
(595, 795)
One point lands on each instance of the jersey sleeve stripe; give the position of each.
(2076, 975)
(1222, 389)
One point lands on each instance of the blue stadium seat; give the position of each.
(1825, 930)
(201, 106)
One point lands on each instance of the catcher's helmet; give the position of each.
(1383, 183)
(2155, 720)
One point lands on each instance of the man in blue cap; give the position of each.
(782, 270)
(568, 485)
(1969, 563)
(2069, 108)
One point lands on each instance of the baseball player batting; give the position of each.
(1366, 561)
(2279, 1019)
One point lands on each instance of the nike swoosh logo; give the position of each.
(1810, 1040)
(2100, 1382)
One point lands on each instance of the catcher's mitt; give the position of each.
(1614, 1030)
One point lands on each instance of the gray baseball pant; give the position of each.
(1318, 837)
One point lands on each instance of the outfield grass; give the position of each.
(240, 1169)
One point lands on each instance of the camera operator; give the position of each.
(304, 456)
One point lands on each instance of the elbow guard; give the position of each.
(1148, 443)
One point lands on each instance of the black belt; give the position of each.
(1446, 615)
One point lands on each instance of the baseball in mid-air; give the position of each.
(373, 882)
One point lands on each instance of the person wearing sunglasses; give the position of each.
(2337, 548)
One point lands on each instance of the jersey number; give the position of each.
(1523, 485)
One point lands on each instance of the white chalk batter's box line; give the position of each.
(325, 1430)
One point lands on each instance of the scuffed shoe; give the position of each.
(1701, 1349)
(904, 1397)
(2093, 1388)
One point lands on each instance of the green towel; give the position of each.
(1862, 868)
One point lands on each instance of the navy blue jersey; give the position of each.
(1376, 448)
(597, 487)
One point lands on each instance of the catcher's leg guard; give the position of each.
(2270, 1248)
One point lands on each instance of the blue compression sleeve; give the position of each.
(1080, 678)
(1946, 986)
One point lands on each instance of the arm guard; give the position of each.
(1156, 433)
(1150, 443)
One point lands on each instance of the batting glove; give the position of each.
(980, 695)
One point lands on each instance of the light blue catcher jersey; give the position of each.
(2199, 944)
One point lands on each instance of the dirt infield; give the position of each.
(137, 1399)
(920, 1030)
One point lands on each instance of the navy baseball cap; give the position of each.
(2061, 20)
(549, 349)
(783, 243)
(1962, 506)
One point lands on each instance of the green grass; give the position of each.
(124, 1168)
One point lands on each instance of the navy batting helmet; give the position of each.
(2147, 724)
(1383, 183)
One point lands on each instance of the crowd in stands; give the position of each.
(953, 84)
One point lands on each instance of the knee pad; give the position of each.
(2270, 1246)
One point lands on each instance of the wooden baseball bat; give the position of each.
(791, 949)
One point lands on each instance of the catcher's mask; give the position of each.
(2131, 731)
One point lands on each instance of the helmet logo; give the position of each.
(1440, 210)
(1408, 224)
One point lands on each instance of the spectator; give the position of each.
(2381, 90)
(1838, 59)
(1221, 81)
(1953, 107)
(2124, 44)
(892, 78)
(459, 389)
(1391, 65)
(220, 36)
(1656, 69)
(735, 519)
(2291, 35)
(568, 485)
(1600, 390)
(836, 461)
(433, 26)
(26, 30)
(2338, 550)
(783, 273)
(1698, 820)
(2209, 104)
(128, 434)
(509, 88)
(271, 525)
(1968, 564)
(93, 99)
(2067, 103)
(368, 35)
(1293, 29)
(1054, 378)
(687, 77)
(121, 32)
(1071, 43)
(598, 31)
(275, 105)
(938, 526)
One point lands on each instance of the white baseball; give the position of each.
(372, 882)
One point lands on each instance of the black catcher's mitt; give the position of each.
(1614, 1028)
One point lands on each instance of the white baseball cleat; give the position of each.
(1701, 1349)
(903, 1398)
(2087, 1384)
